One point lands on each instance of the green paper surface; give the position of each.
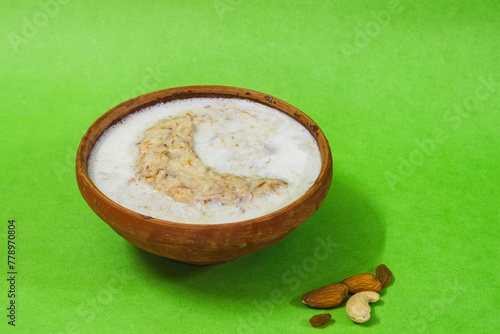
(406, 92)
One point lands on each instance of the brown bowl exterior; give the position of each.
(201, 243)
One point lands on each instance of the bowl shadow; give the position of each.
(344, 237)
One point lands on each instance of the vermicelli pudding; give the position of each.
(205, 160)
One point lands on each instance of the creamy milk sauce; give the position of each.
(233, 136)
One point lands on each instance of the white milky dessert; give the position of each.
(205, 161)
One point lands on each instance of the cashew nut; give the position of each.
(358, 308)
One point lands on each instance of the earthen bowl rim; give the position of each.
(199, 91)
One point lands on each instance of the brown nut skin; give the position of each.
(384, 275)
(320, 319)
(363, 282)
(327, 296)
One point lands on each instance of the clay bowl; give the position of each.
(199, 243)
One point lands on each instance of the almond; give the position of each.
(320, 319)
(384, 275)
(363, 282)
(327, 296)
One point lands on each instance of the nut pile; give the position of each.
(365, 289)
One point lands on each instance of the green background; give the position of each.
(407, 93)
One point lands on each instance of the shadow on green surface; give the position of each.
(167, 268)
(344, 237)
